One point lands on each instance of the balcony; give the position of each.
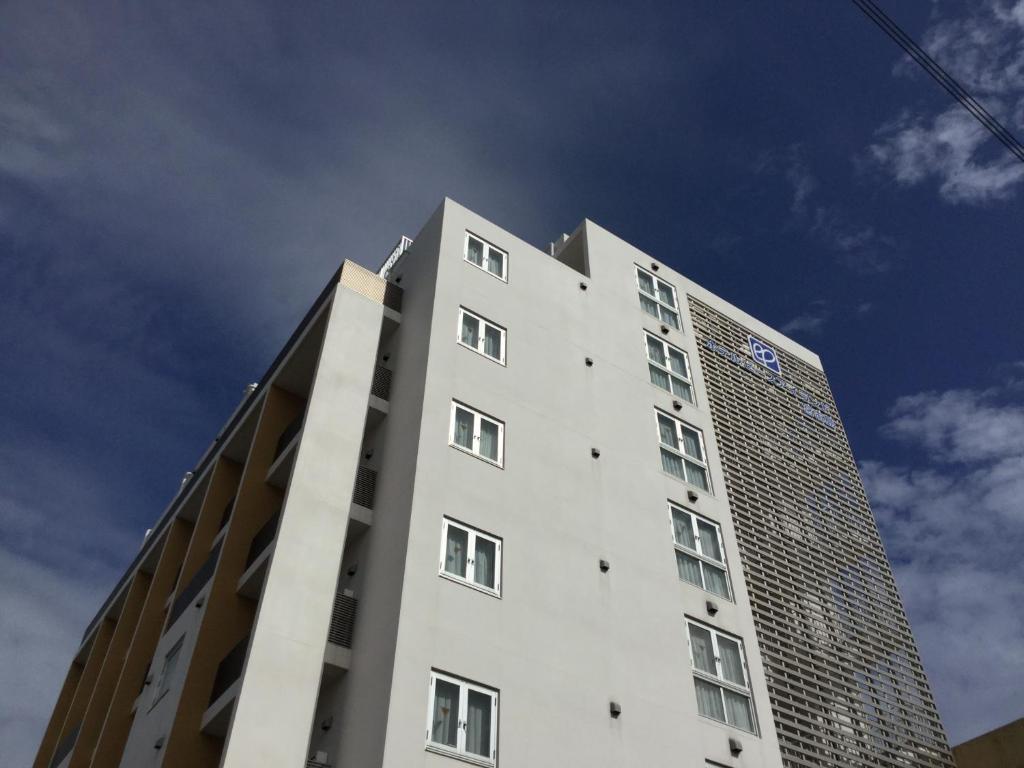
(250, 583)
(284, 454)
(194, 587)
(226, 683)
(66, 745)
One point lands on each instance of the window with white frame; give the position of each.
(682, 451)
(463, 718)
(657, 298)
(720, 677)
(478, 434)
(669, 367)
(700, 555)
(167, 672)
(470, 556)
(482, 254)
(481, 335)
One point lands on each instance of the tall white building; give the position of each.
(505, 507)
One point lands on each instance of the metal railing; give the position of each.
(262, 539)
(189, 593)
(229, 669)
(381, 385)
(396, 253)
(343, 620)
(365, 487)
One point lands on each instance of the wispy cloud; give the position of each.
(810, 322)
(953, 522)
(984, 50)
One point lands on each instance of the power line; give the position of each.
(929, 65)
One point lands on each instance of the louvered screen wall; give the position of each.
(846, 683)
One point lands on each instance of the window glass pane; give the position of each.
(682, 530)
(670, 317)
(732, 661)
(697, 475)
(456, 549)
(689, 568)
(170, 662)
(691, 444)
(667, 431)
(655, 351)
(677, 362)
(665, 294)
(463, 428)
(445, 724)
(489, 439)
(682, 389)
(484, 561)
(478, 724)
(672, 464)
(650, 305)
(495, 262)
(709, 699)
(702, 649)
(645, 281)
(475, 251)
(659, 377)
(492, 342)
(737, 707)
(715, 580)
(709, 541)
(470, 330)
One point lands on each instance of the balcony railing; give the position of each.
(229, 669)
(65, 746)
(343, 620)
(188, 594)
(286, 437)
(365, 488)
(262, 539)
(381, 385)
(397, 252)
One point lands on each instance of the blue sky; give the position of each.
(178, 181)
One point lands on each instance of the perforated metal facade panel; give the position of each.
(846, 683)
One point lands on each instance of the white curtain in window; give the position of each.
(492, 342)
(677, 362)
(703, 651)
(489, 439)
(732, 661)
(646, 283)
(649, 305)
(483, 562)
(670, 317)
(478, 724)
(709, 699)
(665, 294)
(658, 377)
(672, 464)
(715, 580)
(445, 725)
(682, 389)
(697, 475)
(689, 568)
(470, 330)
(655, 351)
(475, 251)
(667, 431)
(682, 529)
(455, 551)
(494, 261)
(691, 443)
(709, 541)
(463, 428)
(737, 709)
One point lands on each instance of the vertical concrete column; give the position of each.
(60, 712)
(278, 695)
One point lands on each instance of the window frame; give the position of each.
(718, 679)
(722, 565)
(459, 750)
(477, 417)
(472, 535)
(481, 346)
(701, 462)
(504, 256)
(688, 379)
(674, 309)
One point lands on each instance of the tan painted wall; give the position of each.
(1001, 748)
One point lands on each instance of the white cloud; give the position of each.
(810, 322)
(984, 51)
(953, 524)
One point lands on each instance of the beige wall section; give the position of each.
(110, 670)
(1001, 748)
(114, 734)
(275, 707)
(227, 616)
(60, 711)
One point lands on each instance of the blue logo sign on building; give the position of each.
(764, 355)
